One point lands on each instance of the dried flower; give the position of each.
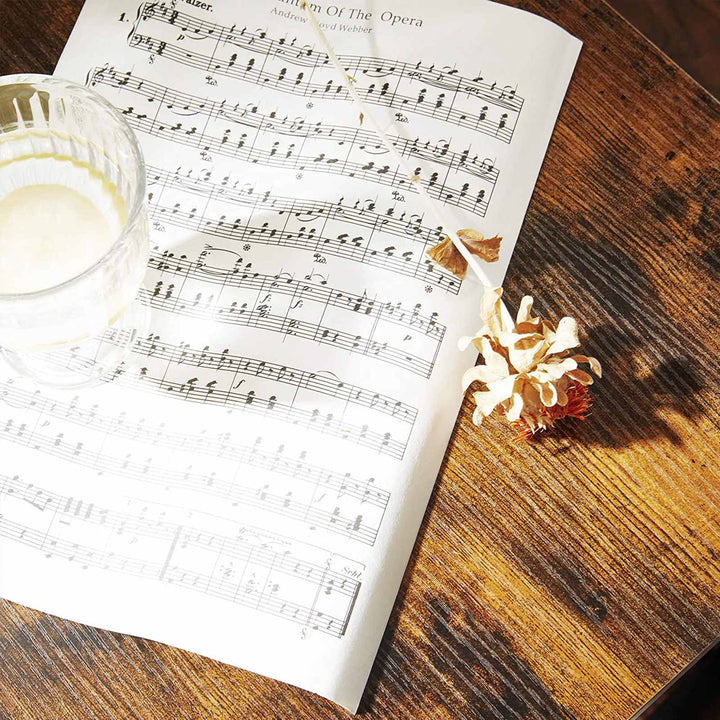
(529, 375)
(448, 256)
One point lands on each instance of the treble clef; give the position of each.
(148, 11)
(96, 75)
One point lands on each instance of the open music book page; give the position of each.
(250, 484)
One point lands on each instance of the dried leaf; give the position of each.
(487, 249)
(448, 256)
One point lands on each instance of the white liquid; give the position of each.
(48, 234)
(57, 219)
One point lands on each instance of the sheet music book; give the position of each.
(249, 485)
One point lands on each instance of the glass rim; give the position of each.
(137, 199)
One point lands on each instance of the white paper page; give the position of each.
(250, 486)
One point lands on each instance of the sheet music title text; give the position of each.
(343, 12)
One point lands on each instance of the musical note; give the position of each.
(146, 471)
(303, 224)
(170, 556)
(262, 453)
(257, 310)
(348, 151)
(184, 105)
(319, 382)
(275, 461)
(225, 45)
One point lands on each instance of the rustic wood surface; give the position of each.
(687, 30)
(568, 578)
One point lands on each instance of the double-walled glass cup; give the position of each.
(75, 331)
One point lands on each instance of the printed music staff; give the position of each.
(254, 57)
(220, 286)
(317, 226)
(270, 575)
(455, 177)
(262, 457)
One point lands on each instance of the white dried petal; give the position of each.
(478, 416)
(480, 373)
(466, 340)
(497, 391)
(526, 368)
(490, 310)
(566, 336)
(486, 402)
(562, 398)
(525, 351)
(523, 314)
(549, 370)
(581, 376)
(548, 394)
(593, 362)
(494, 359)
(514, 410)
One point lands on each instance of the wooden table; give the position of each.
(568, 578)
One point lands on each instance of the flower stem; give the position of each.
(433, 205)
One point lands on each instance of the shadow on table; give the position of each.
(626, 407)
(452, 637)
(650, 364)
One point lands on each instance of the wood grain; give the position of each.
(686, 31)
(565, 579)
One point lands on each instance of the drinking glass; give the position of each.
(72, 192)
